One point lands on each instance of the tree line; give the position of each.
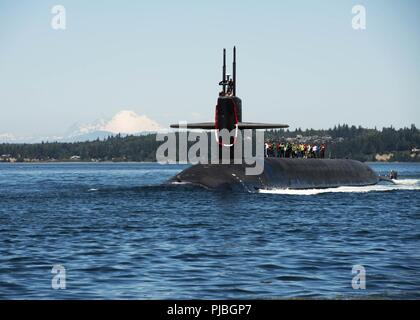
(361, 143)
(342, 141)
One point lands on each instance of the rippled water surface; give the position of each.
(120, 233)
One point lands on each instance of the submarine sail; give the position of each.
(228, 113)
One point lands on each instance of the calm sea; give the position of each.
(119, 233)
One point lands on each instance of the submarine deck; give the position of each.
(281, 173)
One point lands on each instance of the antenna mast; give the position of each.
(234, 71)
(224, 71)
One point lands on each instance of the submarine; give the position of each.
(278, 173)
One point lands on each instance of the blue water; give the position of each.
(120, 234)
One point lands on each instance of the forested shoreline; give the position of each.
(342, 141)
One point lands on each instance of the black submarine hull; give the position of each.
(280, 173)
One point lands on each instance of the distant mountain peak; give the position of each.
(7, 137)
(124, 122)
(129, 122)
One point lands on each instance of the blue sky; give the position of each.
(299, 62)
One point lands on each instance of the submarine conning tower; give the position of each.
(228, 111)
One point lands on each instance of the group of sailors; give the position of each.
(229, 84)
(294, 150)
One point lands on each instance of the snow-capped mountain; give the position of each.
(7, 137)
(124, 122)
(130, 123)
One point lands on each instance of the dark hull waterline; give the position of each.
(282, 174)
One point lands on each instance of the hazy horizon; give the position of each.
(299, 62)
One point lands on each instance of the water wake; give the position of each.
(403, 184)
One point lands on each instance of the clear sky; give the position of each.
(299, 62)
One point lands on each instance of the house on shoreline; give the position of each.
(7, 158)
